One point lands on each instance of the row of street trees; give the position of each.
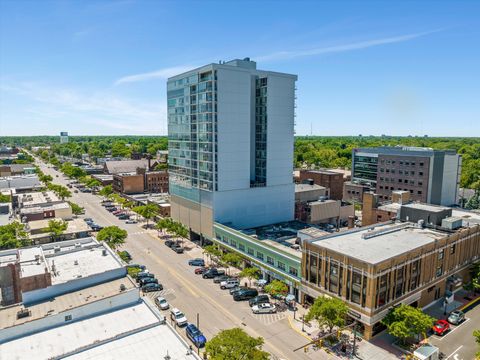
(172, 227)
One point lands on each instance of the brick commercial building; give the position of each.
(332, 180)
(353, 191)
(375, 268)
(156, 181)
(141, 181)
(431, 176)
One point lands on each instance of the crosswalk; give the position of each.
(269, 319)
(168, 294)
(137, 233)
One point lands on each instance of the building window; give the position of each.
(233, 244)
(68, 317)
(420, 173)
(281, 266)
(293, 271)
(250, 251)
(241, 247)
(441, 254)
(259, 256)
(419, 192)
(452, 249)
(270, 260)
(356, 287)
(439, 271)
(420, 183)
(421, 164)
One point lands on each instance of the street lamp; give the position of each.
(303, 323)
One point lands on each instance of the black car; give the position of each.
(148, 280)
(211, 273)
(111, 209)
(177, 248)
(152, 287)
(219, 279)
(170, 243)
(245, 294)
(96, 227)
(260, 299)
(196, 262)
(236, 288)
(123, 217)
(88, 220)
(144, 275)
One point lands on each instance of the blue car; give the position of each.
(196, 262)
(196, 335)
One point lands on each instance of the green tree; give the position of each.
(161, 167)
(113, 236)
(328, 311)
(250, 273)
(106, 191)
(56, 228)
(276, 288)
(4, 198)
(61, 191)
(212, 252)
(76, 209)
(231, 259)
(476, 335)
(148, 211)
(45, 179)
(13, 235)
(405, 321)
(235, 344)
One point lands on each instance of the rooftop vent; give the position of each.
(78, 245)
(104, 252)
(56, 248)
(23, 313)
(122, 287)
(75, 262)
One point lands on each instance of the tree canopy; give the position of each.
(106, 191)
(76, 209)
(113, 236)
(235, 344)
(331, 312)
(250, 273)
(13, 235)
(56, 228)
(276, 288)
(405, 321)
(148, 211)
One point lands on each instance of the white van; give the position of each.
(229, 284)
(179, 317)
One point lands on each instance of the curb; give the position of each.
(298, 331)
(467, 306)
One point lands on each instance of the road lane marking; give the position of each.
(440, 338)
(454, 353)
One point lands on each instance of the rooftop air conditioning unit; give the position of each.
(75, 262)
(104, 252)
(56, 248)
(78, 245)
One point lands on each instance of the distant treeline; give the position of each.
(318, 151)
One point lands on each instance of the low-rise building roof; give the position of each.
(125, 166)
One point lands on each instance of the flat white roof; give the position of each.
(426, 207)
(150, 343)
(29, 265)
(38, 198)
(82, 263)
(390, 240)
(74, 226)
(469, 218)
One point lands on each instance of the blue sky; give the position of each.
(99, 67)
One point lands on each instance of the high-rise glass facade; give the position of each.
(192, 128)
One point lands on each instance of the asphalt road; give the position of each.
(189, 292)
(458, 343)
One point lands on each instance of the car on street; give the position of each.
(260, 299)
(441, 327)
(178, 249)
(87, 190)
(264, 308)
(221, 278)
(131, 221)
(456, 317)
(179, 317)
(117, 212)
(200, 270)
(147, 280)
(111, 209)
(195, 335)
(96, 227)
(75, 191)
(213, 272)
(152, 287)
(136, 266)
(144, 274)
(162, 303)
(236, 288)
(88, 220)
(244, 294)
(123, 217)
(229, 283)
(196, 262)
(170, 243)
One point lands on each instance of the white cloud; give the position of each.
(284, 55)
(158, 74)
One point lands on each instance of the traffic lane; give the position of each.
(458, 343)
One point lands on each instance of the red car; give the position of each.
(441, 327)
(200, 270)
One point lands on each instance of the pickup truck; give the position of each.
(211, 273)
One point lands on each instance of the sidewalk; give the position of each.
(437, 310)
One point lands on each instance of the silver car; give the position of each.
(162, 303)
(265, 308)
(456, 317)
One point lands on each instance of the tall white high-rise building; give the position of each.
(231, 133)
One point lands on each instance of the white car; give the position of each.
(162, 303)
(179, 317)
(229, 284)
(131, 221)
(266, 308)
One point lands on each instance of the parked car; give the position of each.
(441, 327)
(152, 287)
(111, 209)
(88, 220)
(148, 280)
(162, 303)
(200, 270)
(456, 317)
(179, 317)
(260, 299)
(144, 274)
(178, 249)
(123, 217)
(170, 243)
(221, 278)
(195, 335)
(264, 308)
(230, 283)
(237, 288)
(211, 273)
(136, 266)
(87, 190)
(117, 212)
(75, 191)
(131, 221)
(96, 227)
(244, 294)
(196, 262)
